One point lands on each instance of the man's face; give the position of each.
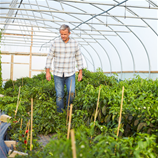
(65, 35)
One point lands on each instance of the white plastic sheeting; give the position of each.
(123, 39)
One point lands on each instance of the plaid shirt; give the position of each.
(64, 55)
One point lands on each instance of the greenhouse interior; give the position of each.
(79, 78)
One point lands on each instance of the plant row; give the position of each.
(139, 124)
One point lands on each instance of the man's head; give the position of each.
(65, 32)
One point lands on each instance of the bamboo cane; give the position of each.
(17, 102)
(69, 126)
(31, 123)
(68, 103)
(120, 112)
(73, 143)
(22, 82)
(97, 106)
(96, 113)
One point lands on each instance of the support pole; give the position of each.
(95, 117)
(30, 65)
(120, 112)
(69, 126)
(31, 123)
(73, 143)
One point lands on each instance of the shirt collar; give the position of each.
(64, 42)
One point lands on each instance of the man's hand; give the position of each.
(48, 76)
(80, 75)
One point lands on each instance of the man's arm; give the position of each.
(79, 62)
(80, 75)
(49, 62)
(48, 76)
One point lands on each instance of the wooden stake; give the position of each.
(96, 112)
(17, 102)
(68, 103)
(73, 143)
(120, 112)
(97, 106)
(69, 126)
(31, 123)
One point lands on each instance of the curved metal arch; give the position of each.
(152, 3)
(112, 44)
(94, 39)
(53, 32)
(81, 45)
(91, 4)
(84, 40)
(101, 45)
(91, 58)
(80, 37)
(128, 49)
(142, 20)
(108, 4)
(140, 42)
(109, 42)
(116, 49)
(118, 56)
(85, 59)
(131, 6)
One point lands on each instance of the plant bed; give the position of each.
(139, 124)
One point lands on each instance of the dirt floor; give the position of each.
(44, 139)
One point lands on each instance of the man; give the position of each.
(64, 51)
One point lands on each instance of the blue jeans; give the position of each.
(59, 88)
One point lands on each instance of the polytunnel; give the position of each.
(116, 36)
(100, 99)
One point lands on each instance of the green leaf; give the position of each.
(136, 122)
(130, 117)
(140, 126)
(104, 110)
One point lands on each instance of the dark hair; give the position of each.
(64, 27)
